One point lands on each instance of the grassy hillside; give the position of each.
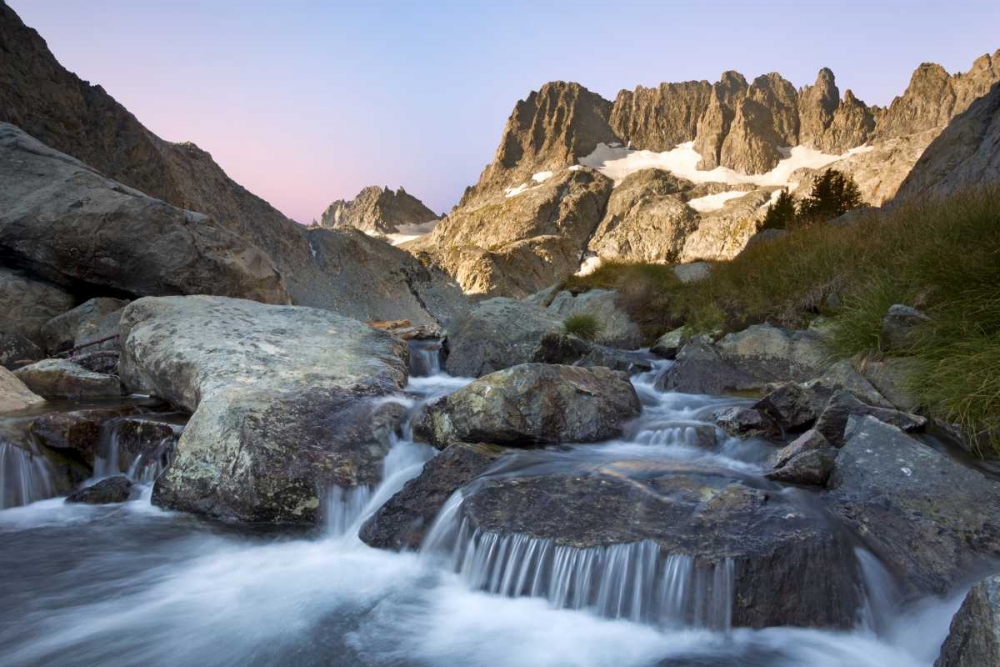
(941, 255)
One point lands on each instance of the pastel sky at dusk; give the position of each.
(307, 102)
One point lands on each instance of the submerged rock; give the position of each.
(404, 519)
(283, 402)
(61, 378)
(77, 432)
(110, 490)
(533, 404)
(931, 519)
(974, 637)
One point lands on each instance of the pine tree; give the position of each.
(833, 194)
(781, 215)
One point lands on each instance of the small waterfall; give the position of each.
(125, 446)
(881, 594)
(24, 477)
(677, 434)
(635, 581)
(425, 357)
(344, 507)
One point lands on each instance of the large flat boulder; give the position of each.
(283, 400)
(931, 519)
(64, 222)
(533, 404)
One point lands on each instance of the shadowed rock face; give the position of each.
(377, 209)
(974, 638)
(966, 152)
(81, 120)
(62, 221)
(660, 118)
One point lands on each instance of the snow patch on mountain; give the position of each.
(617, 162)
(714, 202)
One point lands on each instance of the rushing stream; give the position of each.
(133, 585)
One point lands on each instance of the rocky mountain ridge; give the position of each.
(377, 209)
(724, 148)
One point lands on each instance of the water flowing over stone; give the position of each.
(24, 477)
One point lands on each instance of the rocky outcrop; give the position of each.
(64, 222)
(974, 636)
(377, 209)
(519, 244)
(14, 395)
(25, 306)
(549, 130)
(751, 145)
(282, 400)
(533, 404)
(713, 127)
(404, 519)
(723, 233)
(965, 154)
(657, 119)
(61, 378)
(928, 517)
(830, 124)
(646, 219)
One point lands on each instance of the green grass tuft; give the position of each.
(582, 325)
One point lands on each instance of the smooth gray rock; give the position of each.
(533, 404)
(282, 400)
(772, 354)
(900, 328)
(64, 222)
(889, 376)
(842, 376)
(497, 334)
(14, 394)
(929, 518)
(61, 378)
(616, 327)
(404, 519)
(791, 405)
(699, 369)
(111, 490)
(974, 637)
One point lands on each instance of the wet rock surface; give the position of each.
(533, 404)
(931, 519)
(110, 490)
(790, 567)
(404, 520)
(974, 636)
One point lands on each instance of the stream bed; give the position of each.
(131, 584)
